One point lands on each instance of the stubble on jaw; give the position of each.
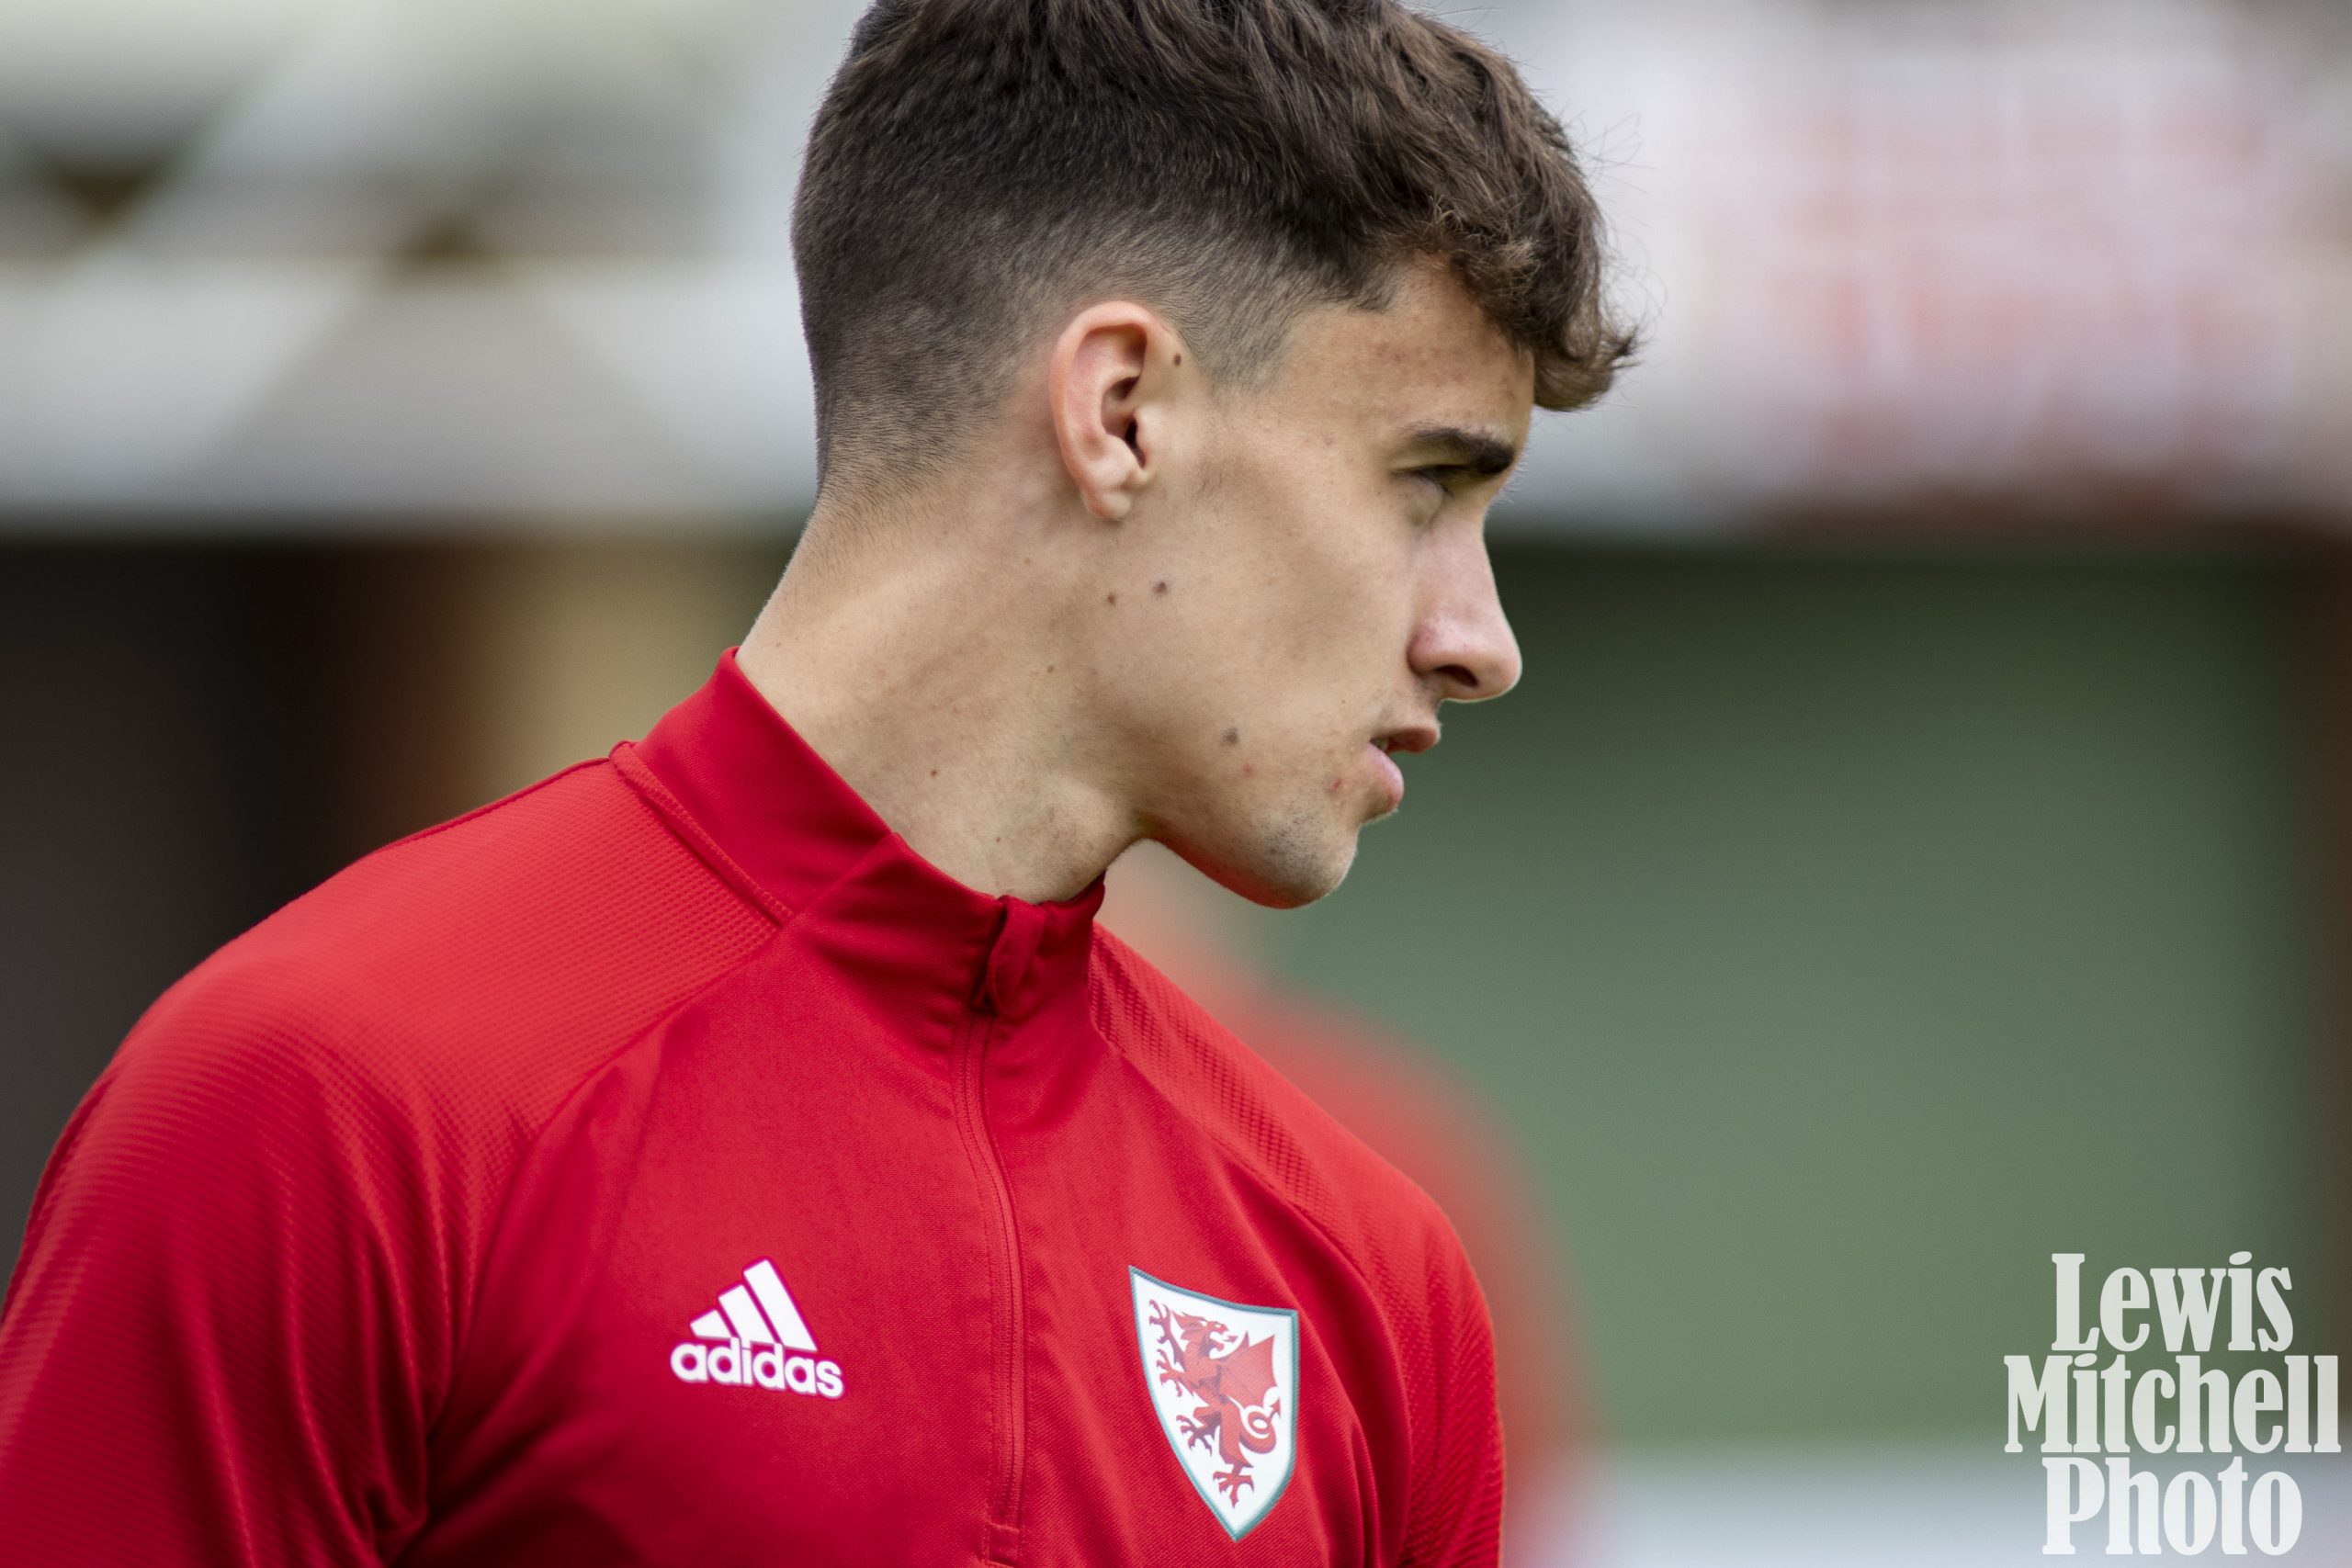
(1295, 860)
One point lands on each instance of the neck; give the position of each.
(889, 649)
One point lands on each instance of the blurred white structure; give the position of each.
(1918, 1506)
(286, 263)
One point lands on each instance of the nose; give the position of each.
(1462, 645)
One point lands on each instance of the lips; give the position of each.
(1385, 743)
(1410, 738)
(1391, 776)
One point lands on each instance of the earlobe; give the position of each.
(1100, 384)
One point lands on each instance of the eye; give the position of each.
(1432, 492)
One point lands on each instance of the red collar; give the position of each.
(773, 817)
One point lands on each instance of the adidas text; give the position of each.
(764, 1366)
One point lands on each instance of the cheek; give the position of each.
(1351, 607)
(1293, 602)
(1330, 563)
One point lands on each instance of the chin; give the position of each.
(1284, 870)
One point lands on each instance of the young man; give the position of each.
(745, 1148)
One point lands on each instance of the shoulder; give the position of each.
(460, 982)
(1361, 1205)
(278, 1198)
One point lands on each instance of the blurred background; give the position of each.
(1917, 845)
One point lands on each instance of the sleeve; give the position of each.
(222, 1338)
(1454, 1517)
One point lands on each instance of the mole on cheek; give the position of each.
(1110, 598)
(1160, 587)
(1233, 738)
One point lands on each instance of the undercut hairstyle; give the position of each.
(979, 166)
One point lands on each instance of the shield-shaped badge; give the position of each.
(1224, 1381)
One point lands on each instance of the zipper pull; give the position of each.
(1018, 928)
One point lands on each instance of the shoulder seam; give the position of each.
(682, 826)
(1251, 1162)
(1242, 1156)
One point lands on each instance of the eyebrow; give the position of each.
(1481, 453)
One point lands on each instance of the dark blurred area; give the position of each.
(179, 719)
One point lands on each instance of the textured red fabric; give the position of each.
(1392, 1095)
(385, 1235)
(1389, 1094)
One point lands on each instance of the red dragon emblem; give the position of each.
(1229, 1378)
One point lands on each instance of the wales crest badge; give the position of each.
(1224, 1383)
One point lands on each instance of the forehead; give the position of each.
(1430, 358)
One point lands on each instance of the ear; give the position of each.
(1114, 366)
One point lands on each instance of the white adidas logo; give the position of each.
(753, 1333)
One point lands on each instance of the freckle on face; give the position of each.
(1110, 598)
(1160, 587)
(1233, 737)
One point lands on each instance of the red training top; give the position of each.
(666, 1165)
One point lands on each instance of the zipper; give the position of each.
(1001, 965)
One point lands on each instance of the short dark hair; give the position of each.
(976, 162)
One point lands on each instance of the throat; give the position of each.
(986, 787)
